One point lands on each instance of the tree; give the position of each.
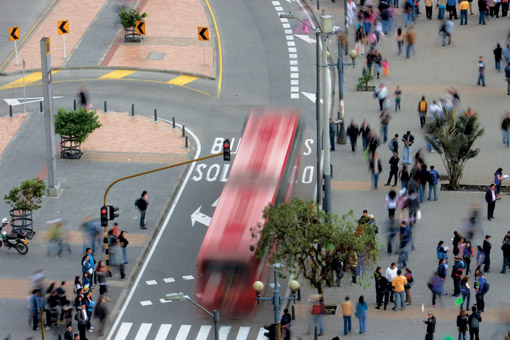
(307, 240)
(77, 124)
(453, 138)
(28, 196)
(364, 79)
(129, 18)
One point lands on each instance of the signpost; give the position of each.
(63, 29)
(203, 35)
(14, 36)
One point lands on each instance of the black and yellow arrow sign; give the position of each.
(63, 27)
(14, 33)
(203, 33)
(140, 27)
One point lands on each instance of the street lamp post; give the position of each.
(215, 314)
(342, 138)
(317, 97)
(258, 287)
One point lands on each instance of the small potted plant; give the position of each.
(23, 200)
(74, 127)
(363, 81)
(128, 20)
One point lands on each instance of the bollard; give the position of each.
(105, 107)
(40, 106)
(315, 334)
(186, 143)
(155, 115)
(173, 122)
(183, 131)
(10, 110)
(293, 312)
(132, 109)
(74, 105)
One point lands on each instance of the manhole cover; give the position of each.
(156, 55)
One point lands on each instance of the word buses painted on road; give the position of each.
(219, 172)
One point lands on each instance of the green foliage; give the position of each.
(363, 80)
(453, 138)
(307, 241)
(28, 196)
(129, 18)
(78, 124)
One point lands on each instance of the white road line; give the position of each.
(188, 277)
(261, 336)
(224, 330)
(286, 25)
(151, 282)
(169, 280)
(292, 50)
(243, 333)
(123, 331)
(183, 332)
(203, 333)
(293, 62)
(163, 331)
(294, 95)
(276, 3)
(294, 75)
(288, 32)
(146, 303)
(161, 231)
(291, 43)
(143, 331)
(294, 82)
(289, 37)
(294, 69)
(294, 89)
(284, 20)
(162, 300)
(292, 55)
(279, 9)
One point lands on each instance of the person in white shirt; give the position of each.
(390, 274)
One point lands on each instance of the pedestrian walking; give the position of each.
(464, 6)
(361, 314)
(101, 273)
(498, 177)
(142, 205)
(431, 326)
(398, 284)
(462, 324)
(347, 314)
(490, 198)
(394, 166)
(442, 271)
(353, 132)
(407, 287)
(405, 239)
(486, 247)
(505, 128)
(398, 95)
(480, 257)
(381, 92)
(410, 40)
(465, 291)
(317, 313)
(498, 55)
(285, 323)
(433, 179)
(375, 169)
(408, 140)
(404, 177)
(474, 320)
(364, 131)
(422, 110)
(83, 97)
(116, 259)
(102, 314)
(332, 134)
(435, 285)
(481, 72)
(123, 245)
(385, 119)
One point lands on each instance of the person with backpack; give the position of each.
(142, 204)
(407, 287)
(433, 179)
(481, 287)
(442, 271)
(468, 255)
(422, 111)
(474, 324)
(457, 272)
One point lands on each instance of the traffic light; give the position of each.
(226, 150)
(104, 216)
(271, 333)
(111, 212)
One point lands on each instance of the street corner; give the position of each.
(123, 137)
(10, 126)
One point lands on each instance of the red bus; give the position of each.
(264, 171)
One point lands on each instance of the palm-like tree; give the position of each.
(453, 138)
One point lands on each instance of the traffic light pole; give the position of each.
(105, 240)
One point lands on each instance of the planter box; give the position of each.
(130, 35)
(369, 88)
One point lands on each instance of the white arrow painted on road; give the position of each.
(310, 96)
(215, 203)
(21, 101)
(197, 216)
(305, 38)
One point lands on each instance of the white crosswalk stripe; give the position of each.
(203, 333)
(183, 332)
(164, 329)
(243, 333)
(143, 331)
(224, 330)
(261, 336)
(123, 330)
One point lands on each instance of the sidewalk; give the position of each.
(429, 73)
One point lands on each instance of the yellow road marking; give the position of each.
(31, 78)
(118, 74)
(182, 80)
(220, 55)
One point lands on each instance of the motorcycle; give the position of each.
(16, 239)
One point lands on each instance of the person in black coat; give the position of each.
(394, 161)
(490, 198)
(487, 251)
(68, 335)
(352, 132)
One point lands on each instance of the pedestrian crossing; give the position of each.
(143, 331)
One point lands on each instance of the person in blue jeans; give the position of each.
(361, 314)
(481, 72)
(433, 180)
(347, 314)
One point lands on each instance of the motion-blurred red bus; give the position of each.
(264, 171)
